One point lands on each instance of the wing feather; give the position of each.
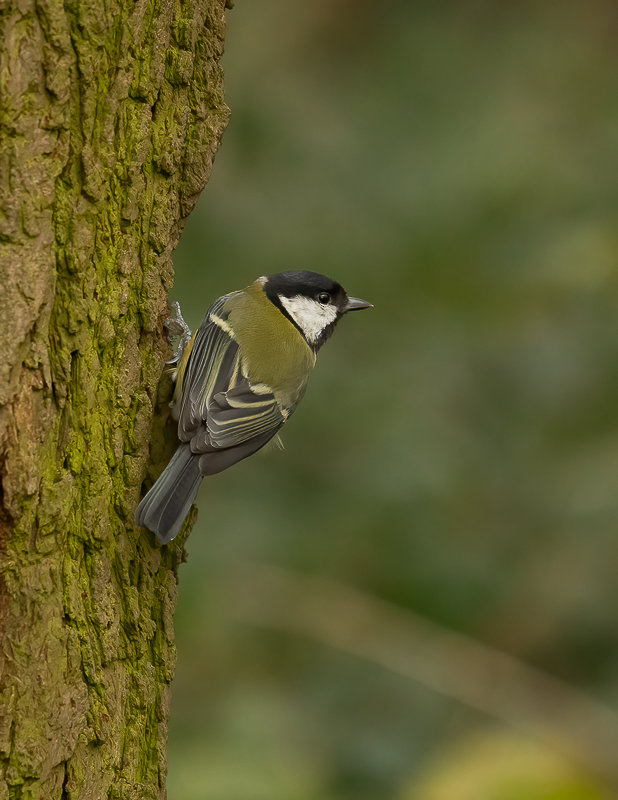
(239, 415)
(219, 407)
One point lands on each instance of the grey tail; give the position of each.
(166, 505)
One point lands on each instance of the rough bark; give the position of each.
(110, 115)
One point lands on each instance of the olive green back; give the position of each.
(272, 350)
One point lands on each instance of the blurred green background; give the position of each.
(454, 163)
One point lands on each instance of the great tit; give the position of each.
(238, 379)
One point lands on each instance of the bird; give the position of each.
(238, 379)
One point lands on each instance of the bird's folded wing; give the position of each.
(209, 370)
(219, 407)
(236, 417)
(241, 414)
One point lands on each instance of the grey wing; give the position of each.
(239, 415)
(219, 409)
(209, 370)
(240, 422)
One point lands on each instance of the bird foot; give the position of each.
(177, 328)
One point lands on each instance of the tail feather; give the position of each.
(166, 505)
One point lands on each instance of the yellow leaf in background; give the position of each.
(501, 765)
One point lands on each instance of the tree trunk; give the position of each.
(110, 115)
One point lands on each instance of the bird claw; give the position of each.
(177, 328)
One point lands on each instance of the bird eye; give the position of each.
(324, 297)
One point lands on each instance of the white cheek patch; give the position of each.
(310, 316)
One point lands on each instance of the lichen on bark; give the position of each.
(110, 116)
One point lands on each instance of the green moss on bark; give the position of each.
(112, 113)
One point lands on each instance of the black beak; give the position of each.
(355, 304)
